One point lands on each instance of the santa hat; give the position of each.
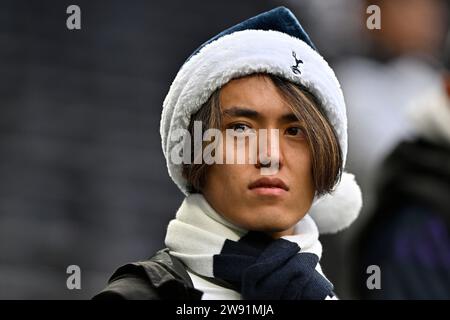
(274, 43)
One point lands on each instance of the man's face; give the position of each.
(235, 190)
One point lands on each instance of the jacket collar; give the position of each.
(167, 275)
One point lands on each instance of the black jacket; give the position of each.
(411, 214)
(162, 277)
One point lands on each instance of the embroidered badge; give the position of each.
(295, 68)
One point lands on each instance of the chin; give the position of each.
(266, 218)
(272, 224)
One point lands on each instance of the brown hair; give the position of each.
(324, 146)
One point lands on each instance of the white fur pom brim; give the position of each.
(336, 211)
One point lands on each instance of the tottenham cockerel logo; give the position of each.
(295, 68)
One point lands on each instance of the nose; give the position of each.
(269, 153)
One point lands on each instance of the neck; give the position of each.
(279, 234)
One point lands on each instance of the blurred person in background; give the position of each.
(408, 235)
(398, 61)
(402, 61)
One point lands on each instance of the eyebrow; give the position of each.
(252, 114)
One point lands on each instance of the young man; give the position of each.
(248, 228)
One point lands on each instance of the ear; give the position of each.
(336, 211)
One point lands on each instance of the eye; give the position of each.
(295, 131)
(240, 127)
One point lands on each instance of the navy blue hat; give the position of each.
(272, 42)
(279, 19)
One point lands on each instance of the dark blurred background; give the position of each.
(82, 177)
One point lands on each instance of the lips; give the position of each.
(268, 183)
